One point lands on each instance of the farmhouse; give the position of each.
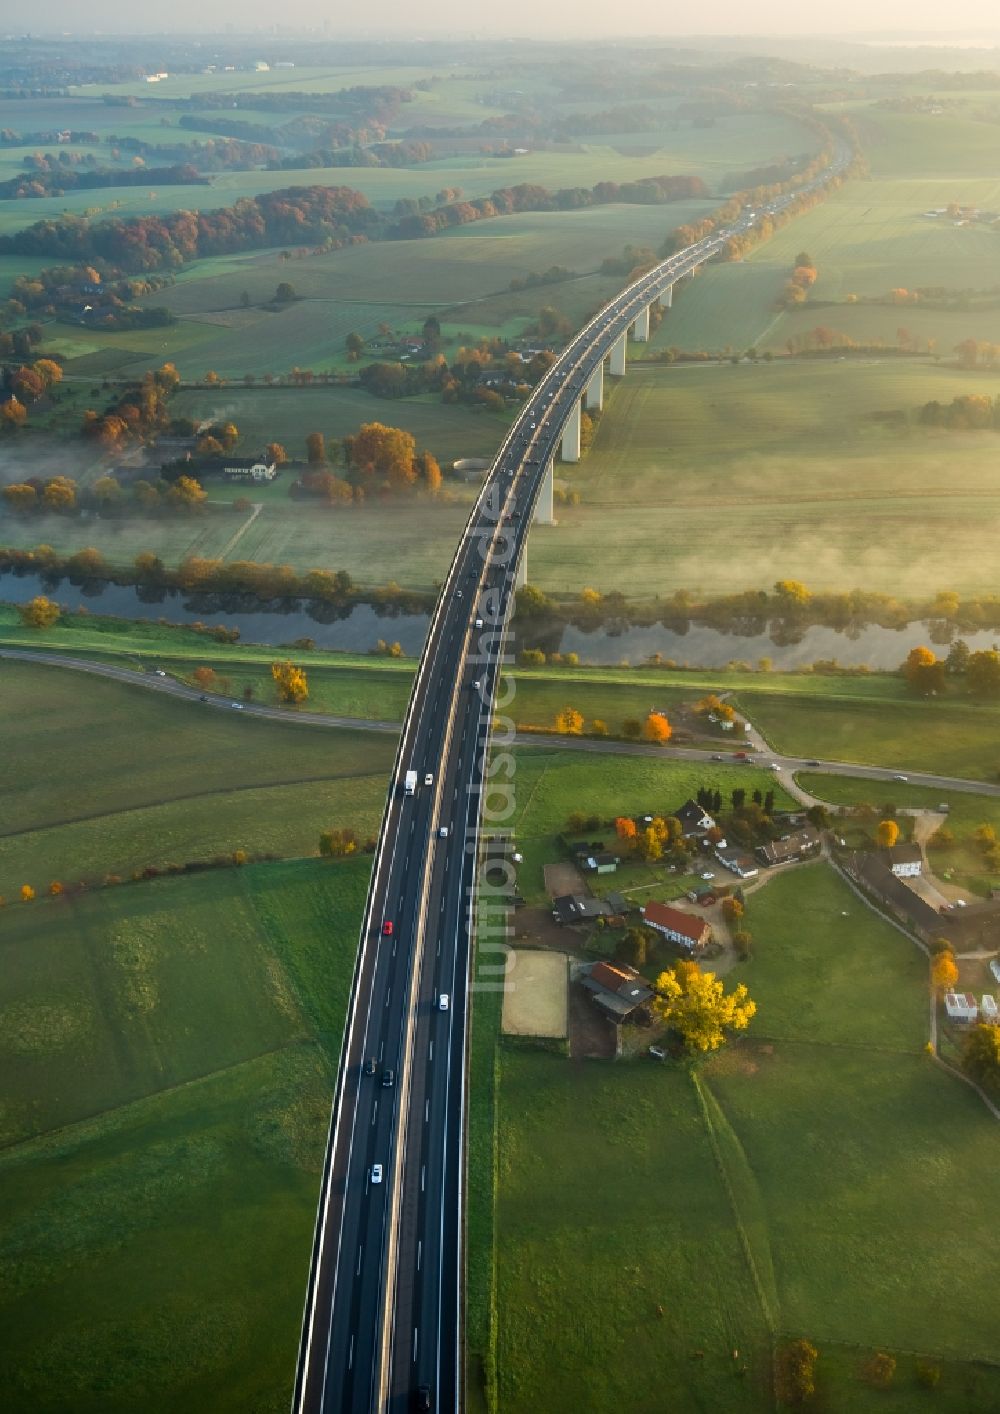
(905, 860)
(694, 819)
(738, 862)
(578, 908)
(617, 989)
(692, 934)
(877, 879)
(252, 469)
(601, 863)
(961, 1006)
(800, 845)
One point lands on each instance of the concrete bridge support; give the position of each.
(617, 366)
(667, 297)
(640, 328)
(521, 575)
(594, 396)
(571, 436)
(544, 508)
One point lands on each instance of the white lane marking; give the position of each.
(423, 1177)
(430, 1055)
(357, 1271)
(350, 1355)
(375, 1112)
(427, 1110)
(420, 1249)
(416, 1342)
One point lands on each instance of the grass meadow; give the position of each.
(819, 1178)
(167, 1051)
(102, 778)
(765, 459)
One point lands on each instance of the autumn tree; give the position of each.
(944, 972)
(355, 345)
(204, 676)
(186, 494)
(378, 450)
(599, 727)
(880, 1370)
(657, 728)
(981, 1055)
(569, 722)
(55, 888)
(887, 833)
(924, 671)
(275, 452)
(39, 612)
(316, 449)
(983, 673)
(649, 845)
(59, 494)
(13, 414)
(625, 829)
(20, 496)
(697, 1006)
(428, 472)
(291, 682)
(338, 844)
(284, 293)
(27, 893)
(732, 910)
(796, 1369)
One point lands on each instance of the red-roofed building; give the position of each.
(688, 932)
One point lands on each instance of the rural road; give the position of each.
(763, 754)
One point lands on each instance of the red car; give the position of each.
(387, 928)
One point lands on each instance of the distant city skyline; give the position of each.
(524, 19)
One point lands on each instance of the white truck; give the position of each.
(410, 783)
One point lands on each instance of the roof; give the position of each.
(617, 988)
(905, 853)
(881, 880)
(777, 851)
(692, 816)
(737, 856)
(618, 903)
(576, 908)
(661, 915)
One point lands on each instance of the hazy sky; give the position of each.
(519, 18)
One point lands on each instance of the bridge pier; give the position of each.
(571, 435)
(640, 328)
(617, 365)
(544, 507)
(667, 297)
(521, 574)
(594, 396)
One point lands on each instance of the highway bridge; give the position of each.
(383, 1323)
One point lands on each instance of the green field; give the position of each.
(763, 457)
(143, 780)
(167, 1052)
(740, 1205)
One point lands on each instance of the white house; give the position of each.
(961, 1006)
(250, 471)
(988, 1009)
(905, 860)
(737, 861)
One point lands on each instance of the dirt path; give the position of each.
(234, 540)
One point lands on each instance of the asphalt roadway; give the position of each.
(383, 1325)
(763, 755)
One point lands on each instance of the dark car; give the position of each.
(370, 1066)
(202, 698)
(388, 1079)
(422, 1400)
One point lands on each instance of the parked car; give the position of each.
(708, 875)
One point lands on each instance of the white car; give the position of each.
(429, 779)
(237, 705)
(376, 1173)
(160, 673)
(900, 778)
(443, 1002)
(708, 876)
(443, 832)
(995, 969)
